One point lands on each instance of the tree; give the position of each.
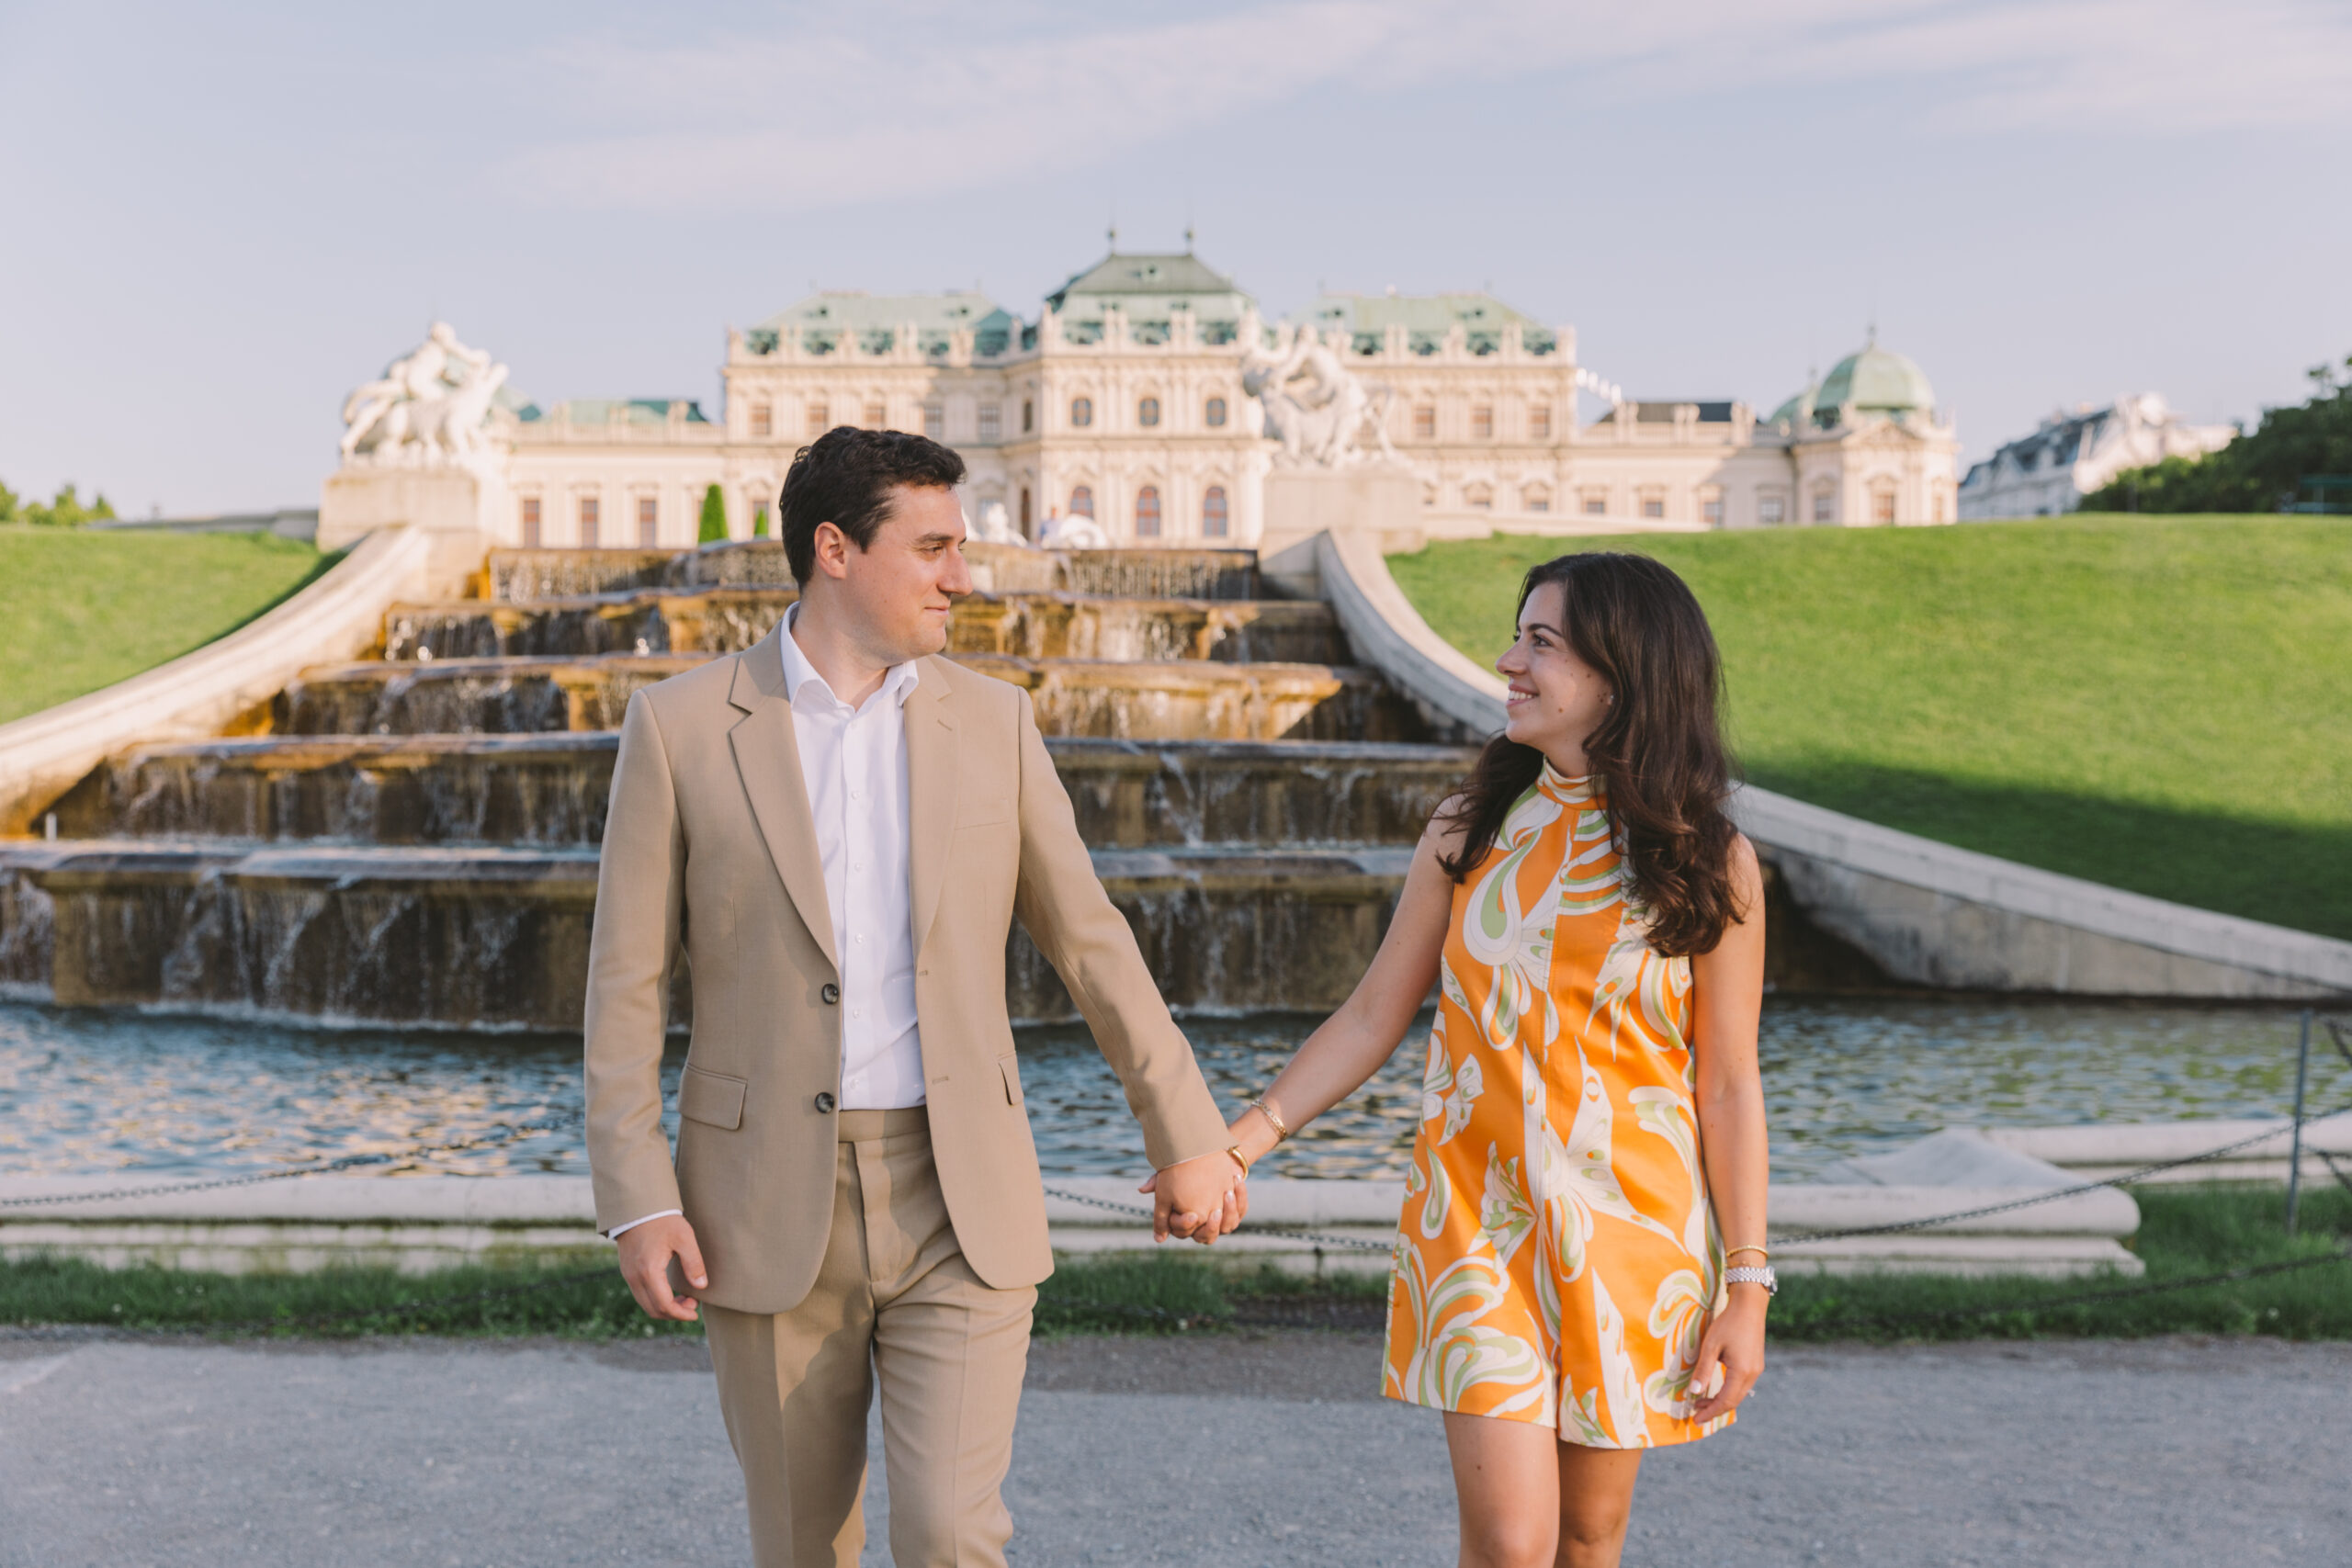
(2260, 471)
(714, 516)
(760, 522)
(68, 511)
(7, 504)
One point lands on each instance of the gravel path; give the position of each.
(498, 1455)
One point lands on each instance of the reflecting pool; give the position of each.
(87, 1092)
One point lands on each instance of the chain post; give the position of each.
(2295, 1146)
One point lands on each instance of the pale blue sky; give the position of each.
(219, 219)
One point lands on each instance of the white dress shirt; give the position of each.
(853, 762)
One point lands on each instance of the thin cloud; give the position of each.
(807, 117)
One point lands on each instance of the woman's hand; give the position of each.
(1731, 1354)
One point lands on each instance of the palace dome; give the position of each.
(1876, 380)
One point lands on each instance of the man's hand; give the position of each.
(646, 1251)
(1200, 1199)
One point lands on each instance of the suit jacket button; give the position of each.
(832, 993)
(825, 1104)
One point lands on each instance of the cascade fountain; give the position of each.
(414, 837)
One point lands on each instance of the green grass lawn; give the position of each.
(2158, 703)
(81, 610)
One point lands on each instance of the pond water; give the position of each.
(89, 1092)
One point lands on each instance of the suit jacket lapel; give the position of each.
(767, 755)
(931, 790)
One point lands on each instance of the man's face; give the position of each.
(901, 589)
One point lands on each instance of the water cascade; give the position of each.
(414, 838)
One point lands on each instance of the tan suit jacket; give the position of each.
(710, 846)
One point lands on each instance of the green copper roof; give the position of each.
(875, 319)
(1427, 318)
(630, 410)
(1876, 379)
(1149, 284)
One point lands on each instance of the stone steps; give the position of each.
(726, 620)
(498, 936)
(515, 575)
(1173, 699)
(551, 789)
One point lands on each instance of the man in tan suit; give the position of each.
(837, 826)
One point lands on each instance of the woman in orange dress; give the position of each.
(1591, 1159)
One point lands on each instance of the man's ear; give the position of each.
(831, 547)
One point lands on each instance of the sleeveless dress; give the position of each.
(1557, 1256)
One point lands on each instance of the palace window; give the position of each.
(1653, 506)
(1479, 498)
(1025, 511)
(877, 416)
(1216, 523)
(1535, 498)
(762, 419)
(819, 421)
(1771, 509)
(1539, 421)
(1081, 412)
(1424, 422)
(1711, 509)
(1081, 502)
(935, 421)
(1148, 413)
(1882, 506)
(1825, 506)
(1147, 513)
(530, 522)
(991, 422)
(587, 521)
(649, 521)
(1596, 504)
(1028, 416)
(1212, 414)
(1482, 422)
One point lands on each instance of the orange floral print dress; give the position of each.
(1558, 1256)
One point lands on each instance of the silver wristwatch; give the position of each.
(1747, 1275)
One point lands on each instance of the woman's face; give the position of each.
(1555, 699)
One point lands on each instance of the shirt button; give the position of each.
(859, 939)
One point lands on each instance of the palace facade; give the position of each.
(1124, 401)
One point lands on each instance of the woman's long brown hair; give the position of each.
(1659, 753)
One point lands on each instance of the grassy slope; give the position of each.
(79, 611)
(2158, 704)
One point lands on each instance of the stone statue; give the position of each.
(1075, 532)
(1319, 409)
(428, 408)
(994, 526)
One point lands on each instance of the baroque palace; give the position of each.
(1140, 398)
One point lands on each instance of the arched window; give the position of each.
(1147, 513)
(1028, 415)
(1081, 411)
(1215, 522)
(1213, 415)
(1479, 496)
(1148, 413)
(1535, 498)
(530, 522)
(588, 520)
(1025, 511)
(1081, 502)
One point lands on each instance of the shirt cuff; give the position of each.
(615, 1234)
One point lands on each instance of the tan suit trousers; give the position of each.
(894, 1302)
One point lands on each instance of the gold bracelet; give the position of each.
(1239, 1158)
(1282, 1128)
(1734, 1252)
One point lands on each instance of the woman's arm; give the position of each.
(1353, 1042)
(1727, 996)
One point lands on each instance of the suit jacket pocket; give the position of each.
(980, 811)
(1010, 1068)
(712, 1098)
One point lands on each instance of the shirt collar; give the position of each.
(901, 680)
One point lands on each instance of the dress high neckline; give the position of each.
(1569, 789)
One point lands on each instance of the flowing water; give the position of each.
(88, 1091)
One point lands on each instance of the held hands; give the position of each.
(1199, 1199)
(1731, 1354)
(646, 1251)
